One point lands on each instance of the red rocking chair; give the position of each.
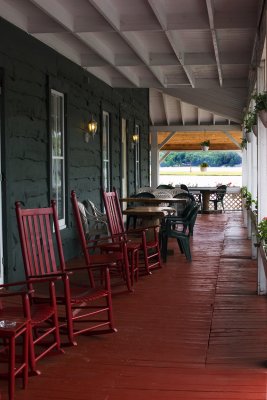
(83, 302)
(37, 322)
(149, 248)
(117, 253)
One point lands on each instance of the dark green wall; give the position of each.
(28, 70)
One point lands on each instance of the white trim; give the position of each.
(106, 175)
(56, 94)
(1, 216)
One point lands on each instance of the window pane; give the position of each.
(57, 186)
(57, 160)
(57, 125)
(105, 152)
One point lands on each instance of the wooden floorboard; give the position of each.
(192, 330)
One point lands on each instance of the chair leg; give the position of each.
(185, 244)
(12, 354)
(164, 247)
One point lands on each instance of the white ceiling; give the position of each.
(194, 55)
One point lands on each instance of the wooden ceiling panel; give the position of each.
(191, 140)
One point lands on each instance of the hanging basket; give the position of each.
(263, 117)
(255, 130)
(205, 148)
(249, 136)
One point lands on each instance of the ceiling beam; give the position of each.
(174, 39)
(60, 14)
(182, 111)
(227, 103)
(194, 128)
(113, 18)
(195, 147)
(228, 134)
(165, 104)
(166, 140)
(210, 8)
(164, 156)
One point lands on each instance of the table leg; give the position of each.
(205, 202)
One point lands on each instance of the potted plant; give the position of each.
(250, 124)
(261, 106)
(262, 231)
(243, 144)
(204, 166)
(205, 145)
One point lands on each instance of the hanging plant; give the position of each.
(261, 106)
(205, 145)
(262, 230)
(243, 144)
(250, 121)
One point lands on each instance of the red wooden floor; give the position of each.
(190, 331)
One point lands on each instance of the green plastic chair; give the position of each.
(188, 219)
(182, 239)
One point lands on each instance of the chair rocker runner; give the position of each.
(118, 254)
(82, 301)
(149, 248)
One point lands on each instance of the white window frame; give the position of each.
(60, 117)
(137, 157)
(106, 175)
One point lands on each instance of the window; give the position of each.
(105, 153)
(137, 157)
(58, 154)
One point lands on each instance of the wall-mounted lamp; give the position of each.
(135, 139)
(92, 128)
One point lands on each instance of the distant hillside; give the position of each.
(213, 158)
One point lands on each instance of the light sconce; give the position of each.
(135, 139)
(92, 128)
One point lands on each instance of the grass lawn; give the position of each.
(207, 173)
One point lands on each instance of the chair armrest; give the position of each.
(54, 276)
(93, 266)
(6, 293)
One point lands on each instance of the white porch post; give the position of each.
(262, 173)
(249, 179)
(244, 181)
(254, 189)
(154, 159)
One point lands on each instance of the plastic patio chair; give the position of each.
(97, 221)
(80, 300)
(219, 196)
(183, 240)
(187, 220)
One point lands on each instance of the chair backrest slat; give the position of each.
(38, 258)
(36, 236)
(113, 210)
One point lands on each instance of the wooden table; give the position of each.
(150, 215)
(152, 201)
(205, 192)
(147, 211)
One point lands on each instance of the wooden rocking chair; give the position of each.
(118, 252)
(36, 322)
(82, 301)
(149, 248)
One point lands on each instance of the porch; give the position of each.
(189, 331)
